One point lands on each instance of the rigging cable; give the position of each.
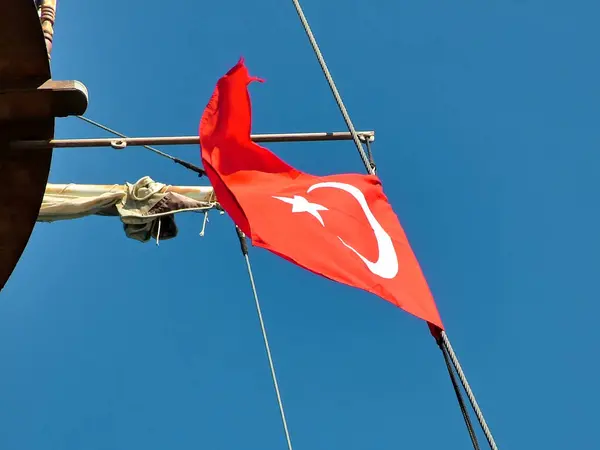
(368, 162)
(176, 160)
(465, 383)
(338, 98)
(244, 248)
(459, 397)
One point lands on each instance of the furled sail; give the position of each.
(146, 208)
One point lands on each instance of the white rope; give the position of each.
(267, 347)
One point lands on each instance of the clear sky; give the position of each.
(488, 147)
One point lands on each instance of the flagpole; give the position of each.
(370, 166)
(244, 248)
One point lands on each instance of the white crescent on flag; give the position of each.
(386, 265)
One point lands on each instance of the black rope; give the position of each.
(242, 238)
(189, 165)
(370, 155)
(459, 397)
(181, 162)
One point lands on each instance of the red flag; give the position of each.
(339, 226)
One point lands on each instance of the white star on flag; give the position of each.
(300, 204)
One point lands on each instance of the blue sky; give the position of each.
(487, 144)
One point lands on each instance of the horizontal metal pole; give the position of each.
(186, 140)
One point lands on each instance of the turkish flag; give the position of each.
(339, 226)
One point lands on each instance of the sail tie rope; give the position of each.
(204, 222)
(158, 232)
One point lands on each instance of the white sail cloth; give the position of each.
(146, 207)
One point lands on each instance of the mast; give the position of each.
(47, 13)
(29, 103)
